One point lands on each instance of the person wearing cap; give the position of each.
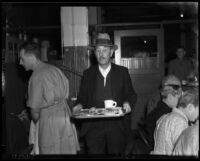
(180, 66)
(142, 141)
(101, 82)
(170, 126)
(48, 91)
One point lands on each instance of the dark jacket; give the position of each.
(153, 116)
(122, 90)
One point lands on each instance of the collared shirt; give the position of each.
(188, 142)
(38, 65)
(168, 129)
(105, 72)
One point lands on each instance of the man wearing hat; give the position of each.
(102, 82)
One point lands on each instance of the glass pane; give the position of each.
(139, 46)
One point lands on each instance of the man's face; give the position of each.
(103, 54)
(180, 53)
(25, 60)
(194, 113)
(173, 99)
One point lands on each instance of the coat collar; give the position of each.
(114, 81)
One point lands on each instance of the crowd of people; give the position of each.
(165, 130)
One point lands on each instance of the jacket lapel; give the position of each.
(93, 83)
(113, 80)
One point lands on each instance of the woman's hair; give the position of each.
(170, 85)
(190, 96)
(168, 90)
(171, 79)
(31, 48)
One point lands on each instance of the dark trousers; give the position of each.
(16, 138)
(105, 138)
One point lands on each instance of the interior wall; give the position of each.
(16, 81)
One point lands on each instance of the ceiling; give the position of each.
(29, 15)
(48, 14)
(146, 11)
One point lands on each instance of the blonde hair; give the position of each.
(167, 84)
(190, 96)
(171, 79)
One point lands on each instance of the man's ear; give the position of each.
(33, 57)
(190, 107)
(111, 51)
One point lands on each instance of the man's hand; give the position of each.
(35, 113)
(126, 107)
(23, 115)
(77, 108)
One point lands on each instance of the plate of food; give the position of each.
(98, 113)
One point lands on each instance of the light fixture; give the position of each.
(181, 15)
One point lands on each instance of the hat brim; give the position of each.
(114, 47)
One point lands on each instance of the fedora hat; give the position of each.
(103, 39)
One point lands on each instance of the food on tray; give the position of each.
(112, 111)
(99, 112)
(81, 112)
(92, 110)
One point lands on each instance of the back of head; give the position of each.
(170, 85)
(31, 48)
(190, 96)
(171, 79)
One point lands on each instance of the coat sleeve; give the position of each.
(129, 92)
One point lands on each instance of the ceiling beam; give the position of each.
(31, 28)
(148, 23)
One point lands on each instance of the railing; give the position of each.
(148, 63)
(71, 70)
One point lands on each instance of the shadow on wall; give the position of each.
(16, 80)
(93, 60)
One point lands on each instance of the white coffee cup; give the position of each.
(110, 103)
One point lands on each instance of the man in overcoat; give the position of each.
(100, 82)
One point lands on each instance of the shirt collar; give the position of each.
(104, 72)
(38, 65)
(180, 112)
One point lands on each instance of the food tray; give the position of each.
(98, 113)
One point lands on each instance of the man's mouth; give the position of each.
(102, 58)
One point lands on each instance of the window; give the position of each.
(139, 50)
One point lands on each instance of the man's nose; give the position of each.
(101, 53)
